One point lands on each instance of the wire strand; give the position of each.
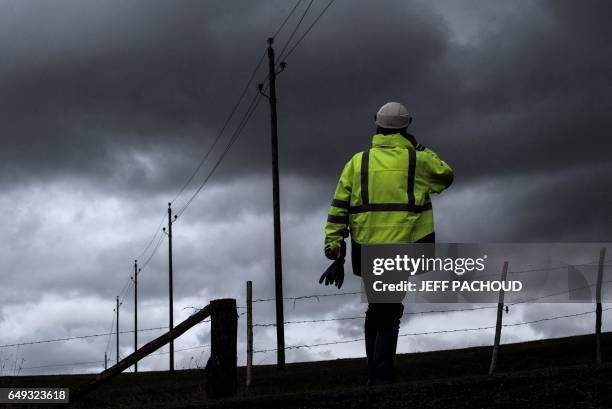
(295, 29)
(241, 126)
(271, 324)
(287, 18)
(432, 332)
(292, 49)
(46, 341)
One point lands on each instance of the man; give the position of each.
(383, 197)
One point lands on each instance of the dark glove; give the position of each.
(334, 274)
(334, 254)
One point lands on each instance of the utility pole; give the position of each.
(135, 312)
(117, 330)
(278, 267)
(105, 361)
(171, 307)
(249, 358)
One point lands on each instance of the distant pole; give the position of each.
(105, 361)
(278, 267)
(136, 311)
(498, 325)
(117, 328)
(171, 302)
(602, 256)
(249, 298)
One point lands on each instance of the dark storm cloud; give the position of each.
(90, 90)
(164, 79)
(129, 96)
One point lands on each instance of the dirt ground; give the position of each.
(554, 373)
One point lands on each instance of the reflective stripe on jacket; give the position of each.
(383, 193)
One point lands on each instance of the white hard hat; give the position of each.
(393, 115)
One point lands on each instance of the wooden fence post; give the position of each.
(249, 359)
(602, 256)
(498, 325)
(221, 368)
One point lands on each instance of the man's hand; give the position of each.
(336, 253)
(334, 274)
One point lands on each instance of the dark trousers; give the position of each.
(381, 331)
(381, 328)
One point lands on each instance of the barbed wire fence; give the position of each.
(318, 298)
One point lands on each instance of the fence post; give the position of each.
(249, 360)
(221, 368)
(602, 256)
(498, 325)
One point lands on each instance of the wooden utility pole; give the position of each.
(249, 299)
(278, 268)
(135, 311)
(498, 325)
(602, 256)
(170, 292)
(105, 361)
(221, 368)
(117, 329)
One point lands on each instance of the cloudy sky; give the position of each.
(107, 107)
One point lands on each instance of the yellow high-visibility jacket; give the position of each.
(383, 193)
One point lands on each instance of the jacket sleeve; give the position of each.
(336, 228)
(439, 174)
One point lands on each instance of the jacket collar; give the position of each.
(391, 140)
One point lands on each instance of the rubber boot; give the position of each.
(384, 356)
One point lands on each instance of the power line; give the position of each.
(287, 18)
(157, 245)
(110, 335)
(157, 231)
(241, 126)
(308, 30)
(126, 292)
(295, 29)
(233, 111)
(125, 288)
(227, 121)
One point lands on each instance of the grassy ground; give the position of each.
(439, 378)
